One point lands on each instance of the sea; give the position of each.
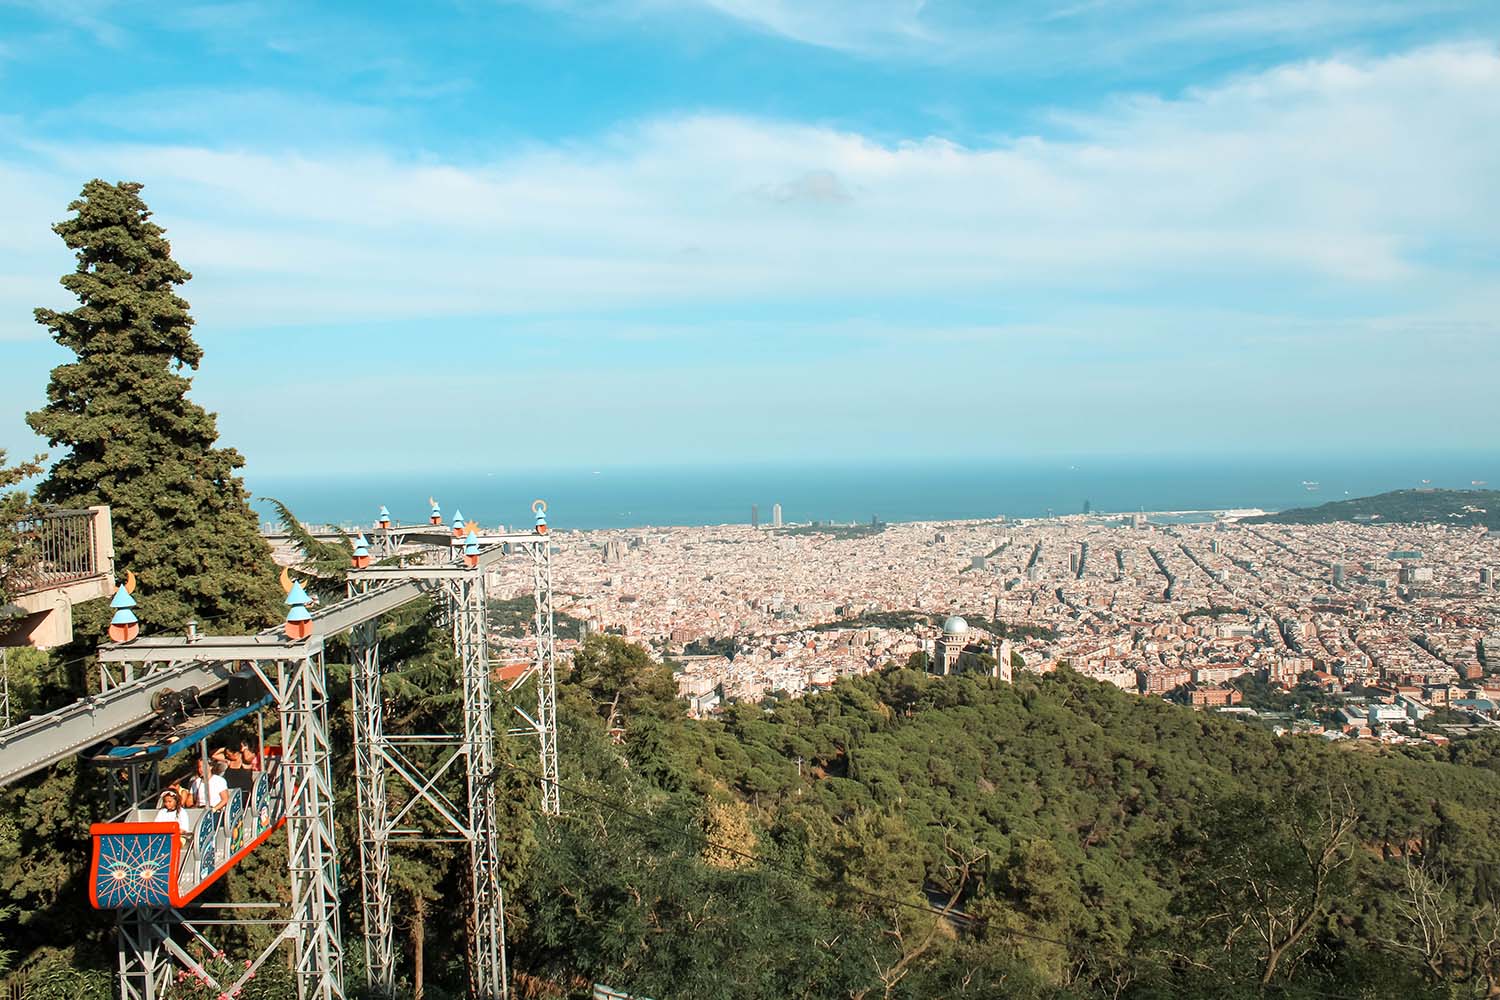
(632, 497)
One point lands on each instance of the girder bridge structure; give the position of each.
(134, 676)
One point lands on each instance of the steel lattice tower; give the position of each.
(367, 707)
(293, 673)
(312, 860)
(425, 766)
(420, 761)
(487, 942)
(546, 675)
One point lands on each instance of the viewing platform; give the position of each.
(77, 564)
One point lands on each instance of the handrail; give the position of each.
(67, 545)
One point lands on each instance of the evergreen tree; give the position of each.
(18, 553)
(182, 521)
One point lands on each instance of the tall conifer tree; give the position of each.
(182, 520)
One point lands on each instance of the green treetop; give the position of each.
(182, 521)
(18, 555)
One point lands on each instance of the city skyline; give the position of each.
(821, 229)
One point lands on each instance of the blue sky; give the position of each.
(666, 231)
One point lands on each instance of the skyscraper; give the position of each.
(776, 516)
(755, 515)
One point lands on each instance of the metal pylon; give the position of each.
(148, 953)
(546, 675)
(374, 818)
(488, 974)
(312, 860)
(145, 970)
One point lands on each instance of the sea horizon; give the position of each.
(896, 491)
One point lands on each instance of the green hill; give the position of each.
(910, 836)
(1456, 507)
(902, 837)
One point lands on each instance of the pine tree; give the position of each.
(18, 553)
(182, 521)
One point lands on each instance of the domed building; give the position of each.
(959, 648)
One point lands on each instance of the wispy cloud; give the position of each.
(1341, 186)
(93, 18)
(1032, 32)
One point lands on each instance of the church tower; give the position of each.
(1000, 648)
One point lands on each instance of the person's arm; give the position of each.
(223, 797)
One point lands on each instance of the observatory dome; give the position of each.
(955, 626)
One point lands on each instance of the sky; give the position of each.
(574, 233)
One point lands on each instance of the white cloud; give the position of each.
(1042, 33)
(1358, 184)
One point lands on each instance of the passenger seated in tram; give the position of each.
(235, 772)
(209, 789)
(170, 810)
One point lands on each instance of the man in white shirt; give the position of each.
(216, 796)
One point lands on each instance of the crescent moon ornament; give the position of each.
(539, 506)
(286, 581)
(129, 581)
(431, 502)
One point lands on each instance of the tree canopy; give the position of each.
(133, 439)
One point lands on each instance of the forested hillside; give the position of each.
(907, 836)
(1452, 507)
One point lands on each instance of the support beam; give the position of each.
(312, 859)
(546, 676)
(145, 972)
(374, 821)
(176, 662)
(487, 967)
(43, 740)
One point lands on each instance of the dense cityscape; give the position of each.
(1393, 624)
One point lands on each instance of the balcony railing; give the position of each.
(68, 541)
(64, 557)
(62, 547)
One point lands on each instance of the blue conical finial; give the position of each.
(361, 547)
(471, 544)
(124, 616)
(297, 597)
(299, 614)
(458, 519)
(122, 599)
(385, 515)
(436, 509)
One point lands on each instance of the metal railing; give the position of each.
(68, 546)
